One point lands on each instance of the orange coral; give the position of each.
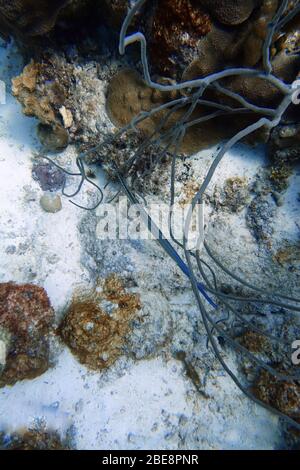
(96, 324)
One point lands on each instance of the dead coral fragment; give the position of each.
(96, 324)
(27, 318)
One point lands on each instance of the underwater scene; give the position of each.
(150, 225)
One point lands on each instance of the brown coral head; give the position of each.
(27, 318)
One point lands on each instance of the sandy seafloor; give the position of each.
(145, 404)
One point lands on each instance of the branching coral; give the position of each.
(211, 300)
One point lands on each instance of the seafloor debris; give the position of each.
(96, 323)
(26, 320)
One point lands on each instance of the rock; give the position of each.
(282, 395)
(229, 12)
(26, 320)
(5, 341)
(33, 19)
(51, 203)
(28, 17)
(153, 327)
(234, 196)
(54, 138)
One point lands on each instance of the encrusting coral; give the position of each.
(26, 321)
(96, 323)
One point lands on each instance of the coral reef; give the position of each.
(254, 341)
(96, 324)
(26, 320)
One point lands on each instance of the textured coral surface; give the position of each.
(95, 327)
